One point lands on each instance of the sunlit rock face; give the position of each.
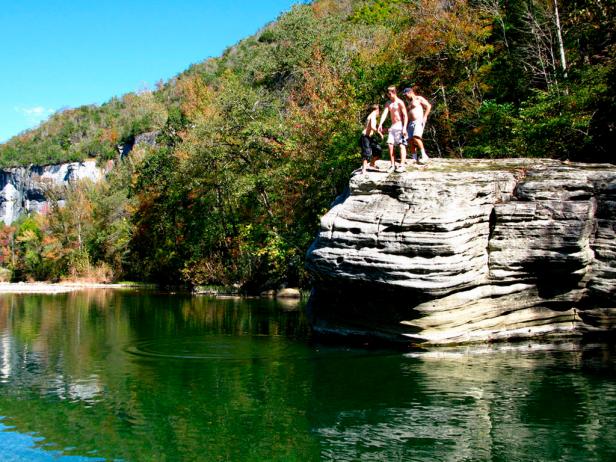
(469, 251)
(24, 189)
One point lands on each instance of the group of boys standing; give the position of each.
(406, 124)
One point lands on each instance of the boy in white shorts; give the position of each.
(397, 132)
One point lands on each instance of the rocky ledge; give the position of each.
(469, 251)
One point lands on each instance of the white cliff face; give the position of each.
(11, 197)
(465, 251)
(23, 189)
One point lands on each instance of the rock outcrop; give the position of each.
(467, 251)
(24, 189)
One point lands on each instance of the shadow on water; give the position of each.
(153, 377)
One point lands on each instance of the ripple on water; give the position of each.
(220, 347)
(211, 347)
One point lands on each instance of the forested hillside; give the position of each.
(254, 145)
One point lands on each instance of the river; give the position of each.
(128, 376)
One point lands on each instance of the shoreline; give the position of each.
(58, 287)
(286, 294)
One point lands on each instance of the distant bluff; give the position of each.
(25, 189)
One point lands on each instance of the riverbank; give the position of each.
(61, 287)
(72, 286)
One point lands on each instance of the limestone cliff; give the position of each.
(23, 189)
(467, 250)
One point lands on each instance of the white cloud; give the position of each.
(34, 114)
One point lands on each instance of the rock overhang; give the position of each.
(457, 226)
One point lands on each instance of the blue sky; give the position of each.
(62, 53)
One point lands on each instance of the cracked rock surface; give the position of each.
(469, 251)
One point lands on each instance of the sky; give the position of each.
(66, 53)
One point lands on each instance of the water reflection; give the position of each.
(475, 404)
(129, 376)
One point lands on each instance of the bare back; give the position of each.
(370, 127)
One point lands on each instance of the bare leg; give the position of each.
(423, 158)
(402, 154)
(413, 149)
(391, 155)
(420, 145)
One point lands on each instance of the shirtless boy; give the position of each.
(419, 108)
(397, 132)
(370, 147)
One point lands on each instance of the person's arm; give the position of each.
(427, 107)
(383, 117)
(405, 117)
(373, 127)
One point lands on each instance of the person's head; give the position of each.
(391, 92)
(375, 107)
(408, 92)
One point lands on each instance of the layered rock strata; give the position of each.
(466, 251)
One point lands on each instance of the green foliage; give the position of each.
(378, 12)
(111, 230)
(88, 131)
(84, 234)
(493, 134)
(158, 220)
(550, 123)
(29, 248)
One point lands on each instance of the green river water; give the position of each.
(119, 375)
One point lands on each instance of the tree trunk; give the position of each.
(559, 35)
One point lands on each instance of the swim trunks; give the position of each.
(416, 129)
(395, 135)
(369, 147)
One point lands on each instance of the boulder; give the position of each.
(469, 251)
(288, 292)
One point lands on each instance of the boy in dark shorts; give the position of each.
(370, 146)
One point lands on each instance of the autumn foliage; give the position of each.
(253, 146)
